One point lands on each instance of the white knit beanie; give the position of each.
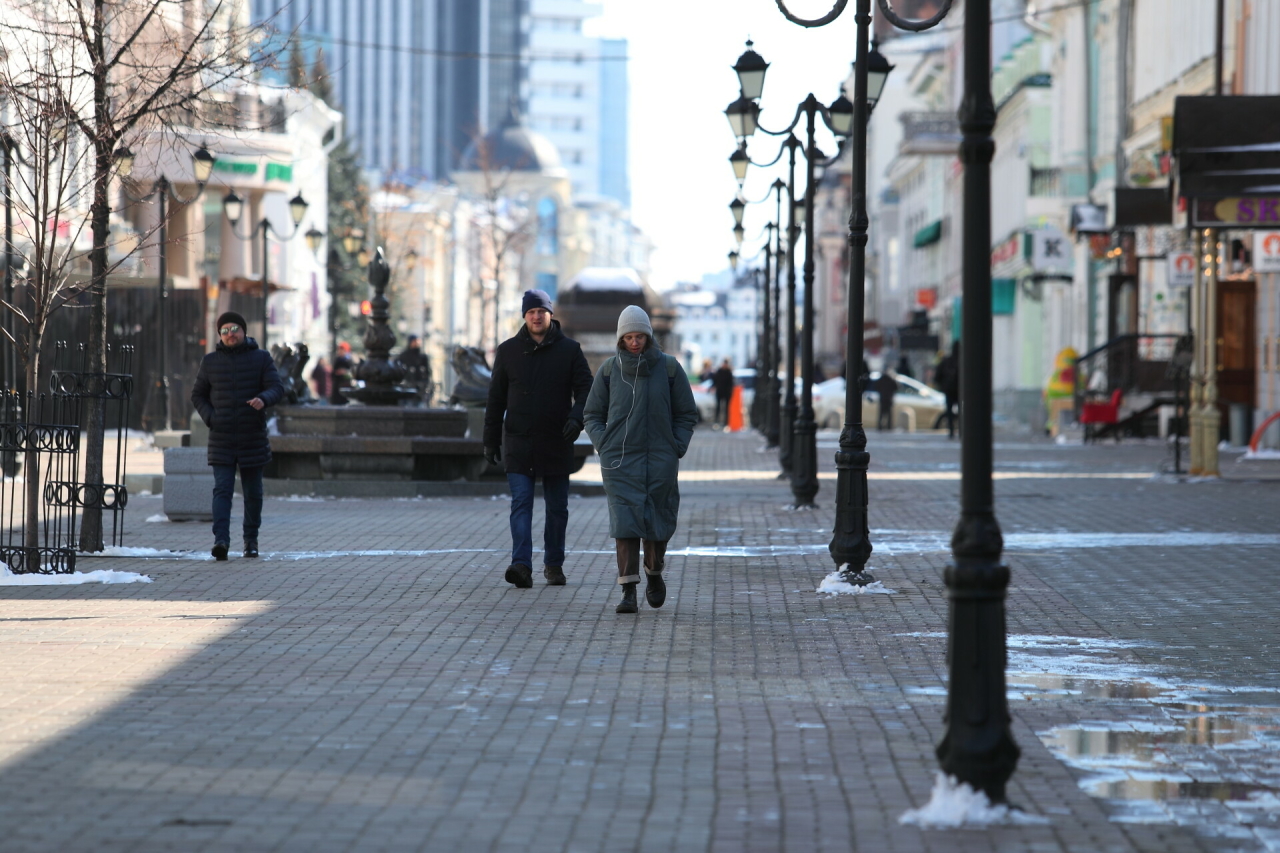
(633, 319)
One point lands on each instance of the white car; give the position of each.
(916, 406)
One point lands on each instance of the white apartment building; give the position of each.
(562, 86)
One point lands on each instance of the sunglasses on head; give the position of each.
(227, 330)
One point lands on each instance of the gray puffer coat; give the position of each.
(640, 415)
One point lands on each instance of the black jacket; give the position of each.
(536, 389)
(229, 378)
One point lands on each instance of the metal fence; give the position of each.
(44, 491)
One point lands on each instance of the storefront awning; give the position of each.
(931, 233)
(1227, 145)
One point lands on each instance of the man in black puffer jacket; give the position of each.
(236, 383)
(540, 384)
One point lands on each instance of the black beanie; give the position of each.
(535, 299)
(231, 317)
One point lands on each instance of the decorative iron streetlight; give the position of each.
(978, 747)
(233, 208)
(201, 169)
(750, 69)
(739, 161)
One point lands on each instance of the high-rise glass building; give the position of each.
(416, 79)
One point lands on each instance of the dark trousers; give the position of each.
(950, 415)
(722, 410)
(655, 554)
(884, 420)
(224, 485)
(555, 495)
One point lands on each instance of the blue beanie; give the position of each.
(535, 299)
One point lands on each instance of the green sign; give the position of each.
(279, 172)
(234, 167)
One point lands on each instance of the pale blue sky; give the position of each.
(681, 80)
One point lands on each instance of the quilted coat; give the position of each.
(640, 415)
(228, 379)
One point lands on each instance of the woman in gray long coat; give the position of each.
(640, 415)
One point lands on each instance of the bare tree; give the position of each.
(121, 70)
(506, 222)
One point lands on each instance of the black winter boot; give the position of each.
(251, 548)
(220, 550)
(519, 576)
(554, 575)
(628, 603)
(655, 590)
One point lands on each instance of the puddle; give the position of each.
(1163, 751)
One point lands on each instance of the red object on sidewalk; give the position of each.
(735, 410)
(1102, 413)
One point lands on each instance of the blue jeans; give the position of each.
(224, 484)
(555, 494)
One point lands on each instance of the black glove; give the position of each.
(493, 455)
(572, 429)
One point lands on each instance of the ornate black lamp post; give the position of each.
(978, 747)
(202, 167)
(9, 146)
(233, 207)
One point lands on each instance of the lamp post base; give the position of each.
(804, 462)
(851, 537)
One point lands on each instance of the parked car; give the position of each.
(916, 406)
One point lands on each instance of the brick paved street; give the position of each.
(406, 698)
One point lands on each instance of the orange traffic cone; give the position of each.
(735, 410)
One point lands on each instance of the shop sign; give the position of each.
(927, 297)
(1266, 251)
(1259, 211)
(1182, 269)
(1050, 250)
(1008, 250)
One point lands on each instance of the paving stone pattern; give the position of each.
(415, 701)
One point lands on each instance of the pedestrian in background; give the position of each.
(640, 416)
(946, 378)
(320, 379)
(340, 377)
(887, 388)
(708, 371)
(534, 414)
(723, 382)
(233, 388)
(417, 367)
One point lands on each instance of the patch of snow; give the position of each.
(121, 551)
(834, 584)
(1263, 453)
(303, 499)
(158, 518)
(954, 804)
(8, 578)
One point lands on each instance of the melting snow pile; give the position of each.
(835, 584)
(8, 578)
(954, 804)
(157, 518)
(121, 551)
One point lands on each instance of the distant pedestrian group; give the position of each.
(638, 412)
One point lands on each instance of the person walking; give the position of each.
(946, 378)
(640, 416)
(722, 380)
(887, 388)
(236, 383)
(534, 415)
(340, 375)
(417, 367)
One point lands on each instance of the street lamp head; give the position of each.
(410, 260)
(124, 161)
(314, 238)
(232, 207)
(202, 165)
(739, 234)
(739, 160)
(297, 208)
(743, 115)
(737, 207)
(750, 69)
(841, 112)
(733, 259)
(351, 242)
(878, 69)
(798, 212)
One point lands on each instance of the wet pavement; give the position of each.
(372, 684)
